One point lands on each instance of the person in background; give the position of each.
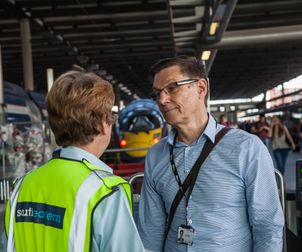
(261, 128)
(234, 205)
(282, 142)
(248, 126)
(74, 202)
(224, 121)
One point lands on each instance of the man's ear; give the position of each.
(202, 87)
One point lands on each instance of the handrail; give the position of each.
(280, 177)
(136, 196)
(282, 200)
(135, 176)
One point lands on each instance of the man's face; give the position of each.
(179, 104)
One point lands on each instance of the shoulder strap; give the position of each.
(191, 178)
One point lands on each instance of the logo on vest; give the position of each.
(40, 213)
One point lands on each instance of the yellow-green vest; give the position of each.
(52, 206)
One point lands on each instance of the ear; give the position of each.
(104, 128)
(202, 87)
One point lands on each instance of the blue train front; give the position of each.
(141, 125)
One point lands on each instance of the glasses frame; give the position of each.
(156, 93)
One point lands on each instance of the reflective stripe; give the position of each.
(13, 204)
(77, 234)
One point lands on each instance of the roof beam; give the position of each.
(259, 37)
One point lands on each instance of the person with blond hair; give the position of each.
(281, 141)
(74, 202)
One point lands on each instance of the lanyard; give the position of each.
(177, 178)
(176, 175)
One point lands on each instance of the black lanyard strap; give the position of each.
(192, 176)
(174, 169)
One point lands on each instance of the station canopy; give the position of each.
(248, 46)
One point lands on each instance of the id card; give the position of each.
(185, 234)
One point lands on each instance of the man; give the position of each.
(74, 202)
(261, 129)
(224, 121)
(234, 205)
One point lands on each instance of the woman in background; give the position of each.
(282, 142)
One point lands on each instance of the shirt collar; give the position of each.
(210, 131)
(75, 153)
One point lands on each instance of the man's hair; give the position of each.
(188, 65)
(261, 115)
(76, 104)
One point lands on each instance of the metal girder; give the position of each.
(126, 37)
(258, 37)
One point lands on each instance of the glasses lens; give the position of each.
(170, 89)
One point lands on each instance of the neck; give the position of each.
(190, 132)
(95, 147)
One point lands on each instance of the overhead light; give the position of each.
(205, 55)
(76, 50)
(59, 37)
(27, 13)
(213, 28)
(120, 85)
(39, 21)
(135, 96)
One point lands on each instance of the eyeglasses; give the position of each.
(171, 88)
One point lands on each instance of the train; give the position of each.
(141, 125)
(25, 134)
(22, 108)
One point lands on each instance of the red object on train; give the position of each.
(127, 169)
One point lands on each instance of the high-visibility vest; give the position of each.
(51, 207)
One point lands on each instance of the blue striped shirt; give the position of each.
(234, 205)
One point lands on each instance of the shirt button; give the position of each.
(190, 197)
(190, 222)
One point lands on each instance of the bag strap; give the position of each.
(191, 178)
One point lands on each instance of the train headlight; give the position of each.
(123, 143)
(155, 140)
